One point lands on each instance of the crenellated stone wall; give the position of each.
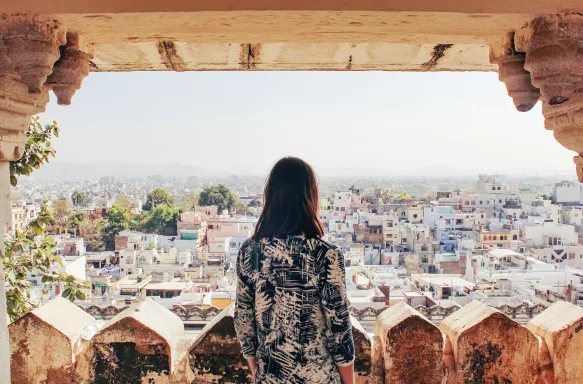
(146, 343)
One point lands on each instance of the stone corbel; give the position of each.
(32, 45)
(70, 69)
(512, 73)
(554, 58)
(29, 48)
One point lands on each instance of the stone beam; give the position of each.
(392, 35)
(148, 6)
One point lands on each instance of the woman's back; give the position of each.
(292, 313)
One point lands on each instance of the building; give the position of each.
(551, 234)
(567, 193)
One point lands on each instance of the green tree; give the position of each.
(78, 198)
(118, 219)
(37, 150)
(157, 197)
(74, 221)
(91, 230)
(220, 195)
(31, 250)
(123, 200)
(402, 195)
(162, 220)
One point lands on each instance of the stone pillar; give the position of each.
(16, 109)
(29, 47)
(554, 52)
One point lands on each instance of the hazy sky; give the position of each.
(386, 121)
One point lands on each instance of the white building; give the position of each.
(342, 201)
(551, 234)
(567, 193)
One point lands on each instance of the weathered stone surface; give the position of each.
(545, 363)
(362, 350)
(216, 354)
(410, 349)
(70, 70)
(560, 327)
(553, 55)
(46, 345)
(141, 343)
(488, 347)
(517, 80)
(28, 48)
(566, 121)
(32, 45)
(17, 105)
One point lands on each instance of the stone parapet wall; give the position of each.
(521, 313)
(146, 343)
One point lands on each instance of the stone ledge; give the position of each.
(146, 342)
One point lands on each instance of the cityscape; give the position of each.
(436, 245)
(136, 138)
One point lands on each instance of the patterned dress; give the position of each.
(292, 313)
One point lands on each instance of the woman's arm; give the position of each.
(253, 366)
(335, 305)
(245, 324)
(347, 373)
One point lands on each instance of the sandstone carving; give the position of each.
(33, 47)
(517, 80)
(554, 58)
(69, 71)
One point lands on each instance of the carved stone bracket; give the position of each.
(554, 58)
(17, 105)
(32, 45)
(69, 70)
(512, 73)
(554, 55)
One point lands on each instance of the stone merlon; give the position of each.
(146, 343)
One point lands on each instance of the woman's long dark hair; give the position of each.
(291, 201)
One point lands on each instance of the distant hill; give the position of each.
(71, 171)
(66, 170)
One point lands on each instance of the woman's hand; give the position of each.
(347, 373)
(253, 366)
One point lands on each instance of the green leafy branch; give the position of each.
(37, 149)
(32, 252)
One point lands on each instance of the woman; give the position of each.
(291, 314)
